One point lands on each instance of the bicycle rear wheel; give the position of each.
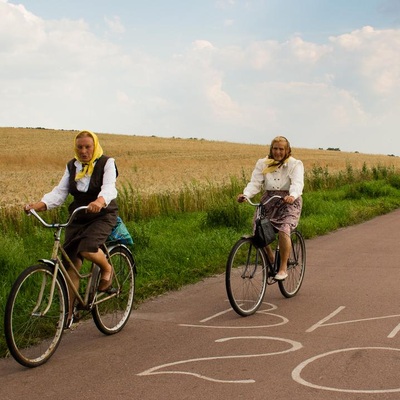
(296, 266)
(246, 277)
(32, 333)
(111, 311)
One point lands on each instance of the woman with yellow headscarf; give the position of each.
(90, 178)
(283, 175)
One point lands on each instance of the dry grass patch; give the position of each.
(33, 160)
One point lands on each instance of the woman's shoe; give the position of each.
(69, 322)
(281, 276)
(105, 284)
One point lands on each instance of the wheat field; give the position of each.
(33, 160)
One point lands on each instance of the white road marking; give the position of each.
(322, 322)
(156, 370)
(297, 372)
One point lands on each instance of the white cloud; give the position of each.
(221, 102)
(60, 74)
(374, 55)
(307, 52)
(115, 25)
(20, 30)
(202, 44)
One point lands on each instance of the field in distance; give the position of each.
(33, 160)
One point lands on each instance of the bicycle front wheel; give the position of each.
(112, 310)
(246, 277)
(296, 266)
(34, 321)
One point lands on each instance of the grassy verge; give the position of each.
(181, 238)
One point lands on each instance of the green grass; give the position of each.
(180, 250)
(181, 238)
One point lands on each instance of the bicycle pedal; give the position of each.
(112, 290)
(70, 324)
(77, 316)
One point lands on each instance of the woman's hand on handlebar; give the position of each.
(39, 206)
(241, 198)
(96, 206)
(289, 199)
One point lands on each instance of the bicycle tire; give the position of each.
(246, 277)
(111, 315)
(296, 266)
(32, 337)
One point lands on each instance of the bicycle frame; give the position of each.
(59, 268)
(272, 266)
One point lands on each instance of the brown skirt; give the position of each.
(283, 216)
(89, 233)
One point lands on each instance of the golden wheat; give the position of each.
(33, 160)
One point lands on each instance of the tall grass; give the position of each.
(320, 178)
(183, 236)
(134, 205)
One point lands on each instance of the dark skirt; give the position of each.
(283, 216)
(88, 233)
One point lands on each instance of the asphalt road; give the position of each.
(339, 338)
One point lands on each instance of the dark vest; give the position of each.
(96, 181)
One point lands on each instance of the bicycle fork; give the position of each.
(54, 261)
(250, 274)
(41, 292)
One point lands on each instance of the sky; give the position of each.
(323, 73)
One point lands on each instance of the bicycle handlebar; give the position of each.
(57, 225)
(257, 204)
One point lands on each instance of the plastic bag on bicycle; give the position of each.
(120, 234)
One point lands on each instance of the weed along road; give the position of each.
(339, 338)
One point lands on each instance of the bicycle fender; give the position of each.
(50, 263)
(251, 237)
(113, 246)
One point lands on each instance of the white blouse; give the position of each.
(108, 190)
(290, 177)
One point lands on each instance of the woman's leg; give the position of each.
(284, 251)
(100, 259)
(270, 254)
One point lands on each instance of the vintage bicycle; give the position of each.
(37, 307)
(249, 270)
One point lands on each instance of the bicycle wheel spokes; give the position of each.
(111, 311)
(246, 277)
(296, 266)
(33, 325)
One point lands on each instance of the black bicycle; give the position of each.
(249, 270)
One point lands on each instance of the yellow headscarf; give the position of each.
(97, 153)
(272, 165)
